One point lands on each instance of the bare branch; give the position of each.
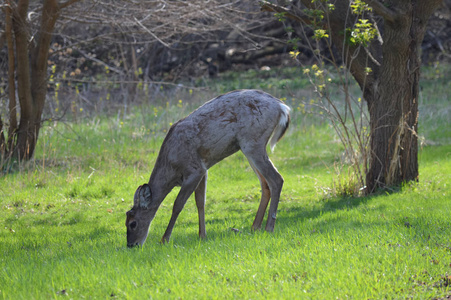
(271, 7)
(163, 83)
(67, 3)
(380, 9)
(151, 33)
(100, 62)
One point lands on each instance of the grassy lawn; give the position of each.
(62, 216)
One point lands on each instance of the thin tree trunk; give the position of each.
(11, 84)
(27, 74)
(2, 141)
(32, 77)
(21, 147)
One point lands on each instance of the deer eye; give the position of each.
(133, 225)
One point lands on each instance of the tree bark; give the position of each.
(394, 109)
(23, 80)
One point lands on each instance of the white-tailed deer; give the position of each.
(243, 120)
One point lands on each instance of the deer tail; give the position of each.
(281, 127)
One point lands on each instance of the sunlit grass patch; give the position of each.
(62, 218)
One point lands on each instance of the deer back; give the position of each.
(222, 126)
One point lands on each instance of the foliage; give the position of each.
(352, 122)
(349, 120)
(362, 33)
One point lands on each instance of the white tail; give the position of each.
(279, 131)
(243, 120)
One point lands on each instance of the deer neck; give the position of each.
(162, 181)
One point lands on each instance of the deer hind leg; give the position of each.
(200, 196)
(188, 187)
(266, 195)
(259, 159)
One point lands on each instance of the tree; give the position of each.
(387, 69)
(27, 62)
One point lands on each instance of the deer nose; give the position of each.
(132, 245)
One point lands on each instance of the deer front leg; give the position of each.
(188, 187)
(200, 196)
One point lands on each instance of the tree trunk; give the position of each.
(31, 75)
(5, 148)
(394, 105)
(23, 80)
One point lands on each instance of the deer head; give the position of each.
(139, 217)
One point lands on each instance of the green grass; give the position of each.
(62, 218)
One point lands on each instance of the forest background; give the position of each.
(126, 52)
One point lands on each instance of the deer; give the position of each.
(245, 120)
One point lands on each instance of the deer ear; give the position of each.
(143, 196)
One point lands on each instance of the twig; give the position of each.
(100, 62)
(271, 7)
(152, 34)
(382, 10)
(67, 3)
(129, 82)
